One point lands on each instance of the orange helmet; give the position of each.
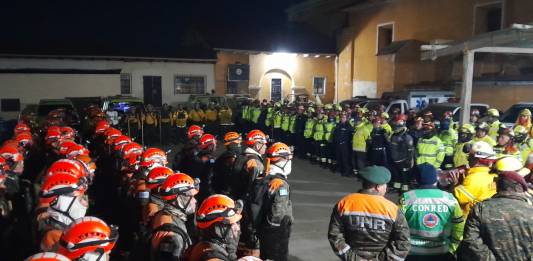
(132, 149)
(24, 139)
(60, 184)
(111, 134)
(194, 130)
(279, 151)
(206, 140)
(232, 137)
(65, 145)
(178, 184)
(254, 137)
(157, 176)
(101, 126)
(120, 141)
(11, 153)
(218, 209)
(67, 132)
(87, 235)
(21, 127)
(75, 151)
(52, 135)
(47, 256)
(87, 163)
(153, 156)
(71, 167)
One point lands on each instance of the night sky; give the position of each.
(122, 27)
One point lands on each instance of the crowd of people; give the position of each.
(57, 188)
(464, 189)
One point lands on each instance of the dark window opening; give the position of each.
(385, 35)
(488, 18)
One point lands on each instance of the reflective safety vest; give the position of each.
(309, 126)
(387, 128)
(318, 133)
(494, 128)
(285, 118)
(268, 118)
(449, 139)
(225, 116)
(244, 112)
(525, 148)
(361, 135)
(459, 157)
(435, 220)
(211, 115)
(196, 115)
(181, 118)
(292, 124)
(329, 126)
(486, 139)
(277, 120)
(430, 151)
(255, 113)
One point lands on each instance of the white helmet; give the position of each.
(483, 150)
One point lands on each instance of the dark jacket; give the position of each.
(299, 125)
(343, 133)
(402, 148)
(500, 228)
(365, 225)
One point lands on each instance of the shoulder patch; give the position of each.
(274, 185)
(251, 164)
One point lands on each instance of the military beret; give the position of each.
(375, 174)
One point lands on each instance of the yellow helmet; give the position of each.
(385, 115)
(493, 112)
(510, 163)
(525, 112)
(467, 128)
(311, 109)
(328, 107)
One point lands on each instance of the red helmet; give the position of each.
(64, 146)
(11, 153)
(255, 136)
(206, 140)
(132, 148)
(47, 256)
(88, 165)
(21, 127)
(68, 133)
(60, 184)
(157, 176)
(152, 157)
(85, 235)
(111, 134)
(194, 130)
(178, 184)
(120, 141)
(24, 138)
(76, 150)
(52, 135)
(279, 151)
(67, 166)
(217, 209)
(101, 126)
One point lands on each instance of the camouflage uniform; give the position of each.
(499, 228)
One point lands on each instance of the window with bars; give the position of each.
(125, 83)
(187, 84)
(319, 85)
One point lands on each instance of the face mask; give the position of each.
(66, 209)
(464, 137)
(187, 204)
(283, 167)
(97, 255)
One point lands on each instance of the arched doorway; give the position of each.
(275, 85)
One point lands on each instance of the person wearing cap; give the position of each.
(430, 148)
(466, 133)
(402, 150)
(277, 117)
(224, 163)
(378, 144)
(523, 141)
(448, 136)
(366, 225)
(500, 228)
(308, 132)
(482, 131)
(342, 137)
(299, 129)
(434, 216)
(493, 119)
(524, 120)
(478, 183)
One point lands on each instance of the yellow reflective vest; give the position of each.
(309, 126)
(225, 116)
(459, 157)
(180, 117)
(430, 151)
(361, 136)
(285, 120)
(318, 132)
(494, 128)
(477, 186)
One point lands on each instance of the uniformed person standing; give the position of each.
(277, 117)
(318, 137)
(493, 116)
(180, 121)
(430, 148)
(271, 207)
(460, 157)
(196, 115)
(285, 121)
(448, 136)
(167, 117)
(226, 125)
(367, 226)
(308, 132)
(150, 121)
(342, 137)
(402, 150)
(359, 143)
(329, 149)
(211, 117)
(133, 122)
(299, 129)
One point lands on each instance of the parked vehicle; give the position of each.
(390, 105)
(206, 100)
(438, 109)
(47, 105)
(357, 100)
(509, 117)
(420, 99)
(121, 104)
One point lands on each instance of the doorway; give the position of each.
(275, 90)
(152, 90)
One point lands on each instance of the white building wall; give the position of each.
(30, 87)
